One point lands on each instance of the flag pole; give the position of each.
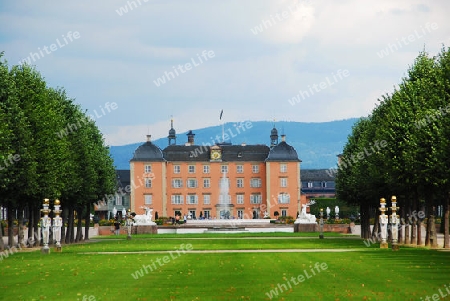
(223, 131)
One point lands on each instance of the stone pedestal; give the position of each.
(45, 250)
(395, 248)
(305, 227)
(144, 229)
(384, 245)
(58, 249)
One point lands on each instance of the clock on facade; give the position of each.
(215, 154)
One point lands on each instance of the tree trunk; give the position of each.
(446, 222)
(2, 244)
(30, 226)
(365, 220)
(430, 212)
(37, 230)
(406, 223)
(65, 213)
(69, 233)
(87, 221)
(20, 235)
(10, 226)
(419, 229)
(376, 227)
(79, 225)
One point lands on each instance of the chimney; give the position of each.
(283, 138)
(149, 138)
(190, 137)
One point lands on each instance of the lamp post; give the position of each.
(57, 224)
(46, 221)
(321, 224)
(383, 219)
(394, 223)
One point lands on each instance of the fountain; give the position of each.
(143, 223)
(224, 212)
(305, 222)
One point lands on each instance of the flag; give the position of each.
(221, 113)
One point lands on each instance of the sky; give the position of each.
(134, 65)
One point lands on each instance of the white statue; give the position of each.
(144, 219)
(266, 214)
(328, 212)
(306, 218)
(336, 209)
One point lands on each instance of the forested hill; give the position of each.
(317, 144)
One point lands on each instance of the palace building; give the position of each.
(216, 181)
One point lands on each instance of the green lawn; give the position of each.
(366, 274)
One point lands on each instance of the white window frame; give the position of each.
(206, 182)
(283, 212)
(191, 168)
(191, 199)
(240, 182)
(205, 168)
(255, 168)
(283, 182)
(255, 182)
(177, 199)
(255, 198)
(284, 198)
(191, 183)
(206, 199)
(148, 199)
(206, 214)
(176, 169)
(223, 168)
(239, 168)
(283, 167)
(177, 183)
(310, 185)
(240, 213)
(148, 168)
(148, 183)
(240, 198)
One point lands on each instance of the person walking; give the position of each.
(116, 226)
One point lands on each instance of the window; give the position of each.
(118, 200)
(191, 183)
(224, 199)
(224, 169)
(148, 169)
(206, 199)
(255, 168)
(177, 199)
(206, 183)
(240, 214)
(324, 184)
(239, 168)
(284, 198)
(191, 168)
(310, 184)
(239, 199)
(283, 167)
(240, 182)
(255, 182)
(283, 212)
(192, 214)
(255, 199)
(176, 169)
(148, 199)
(205, 168)
(177, 183)
(148, 183)
(192, 199)
(207, 214)
(283, 182)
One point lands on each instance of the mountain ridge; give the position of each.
(317, 143)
